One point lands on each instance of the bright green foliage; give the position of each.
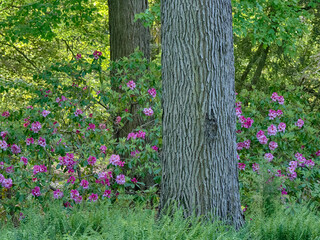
(100, 221)
(271, 22)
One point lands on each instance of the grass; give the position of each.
(103, 221)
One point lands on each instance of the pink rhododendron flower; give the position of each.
(121, 179)
(5, 114)
(242, 166)
(91, 126)
(299, 123)
(74, 193)
(3, 134)
(263, 139)
(135, 153)
(2, 178)
(93, 197)
(134, 180)
(78, 56)
(3, 145)
(281, 100)
(67, 161)
(274, 96)
(92, 160)
(238, 104)
(279, 113)
(7, 183)
(71, 179)
(103, 149)
(309, 163)
(148, 111)
(102, 126)
(78, 199)
(35, 127)
(272, 114)
(67, 205)
(132, 135)
(29, 107)
(273, 145)
(10, 169)
(84, 183)
(131, 85)
(255, 167)
(246, 144)
(281, 127)
(283, 191)
(15, 149)
(238, 111)
(318, 153)
(292, 176)
(57, 194)
(268, 157)
(141, 134)
(107, 193)
(114, 159)
(272, 130)
(155, 148)
(42, 142)
(78, 112)
(45, 113)
(96, 54)
(247, 123)
(29, 141)
(43, 168)
(36, 191)
(240, 146)
(39, 168)
(152, 92)
(118, 120)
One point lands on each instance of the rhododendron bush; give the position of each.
(278, 134)
(89, 135)
(70, 143)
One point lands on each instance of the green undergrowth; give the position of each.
(103, 221)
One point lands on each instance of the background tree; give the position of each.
(199, 163)
(126, 34)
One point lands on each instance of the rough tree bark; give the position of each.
(125, 34)
(199, 163)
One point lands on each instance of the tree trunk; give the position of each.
(199, 163)
(253, 60)
(125, 34)
(261, 64)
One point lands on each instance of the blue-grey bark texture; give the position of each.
(199, 163)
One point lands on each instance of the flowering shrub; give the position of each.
(284, 142)
(65, 144)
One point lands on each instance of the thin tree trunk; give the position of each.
(253, 60)
(261, 64)
(199, 163)
(125, 34)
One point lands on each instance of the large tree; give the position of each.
(125, 33)
(199, 162)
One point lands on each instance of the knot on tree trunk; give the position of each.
(211, 125)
